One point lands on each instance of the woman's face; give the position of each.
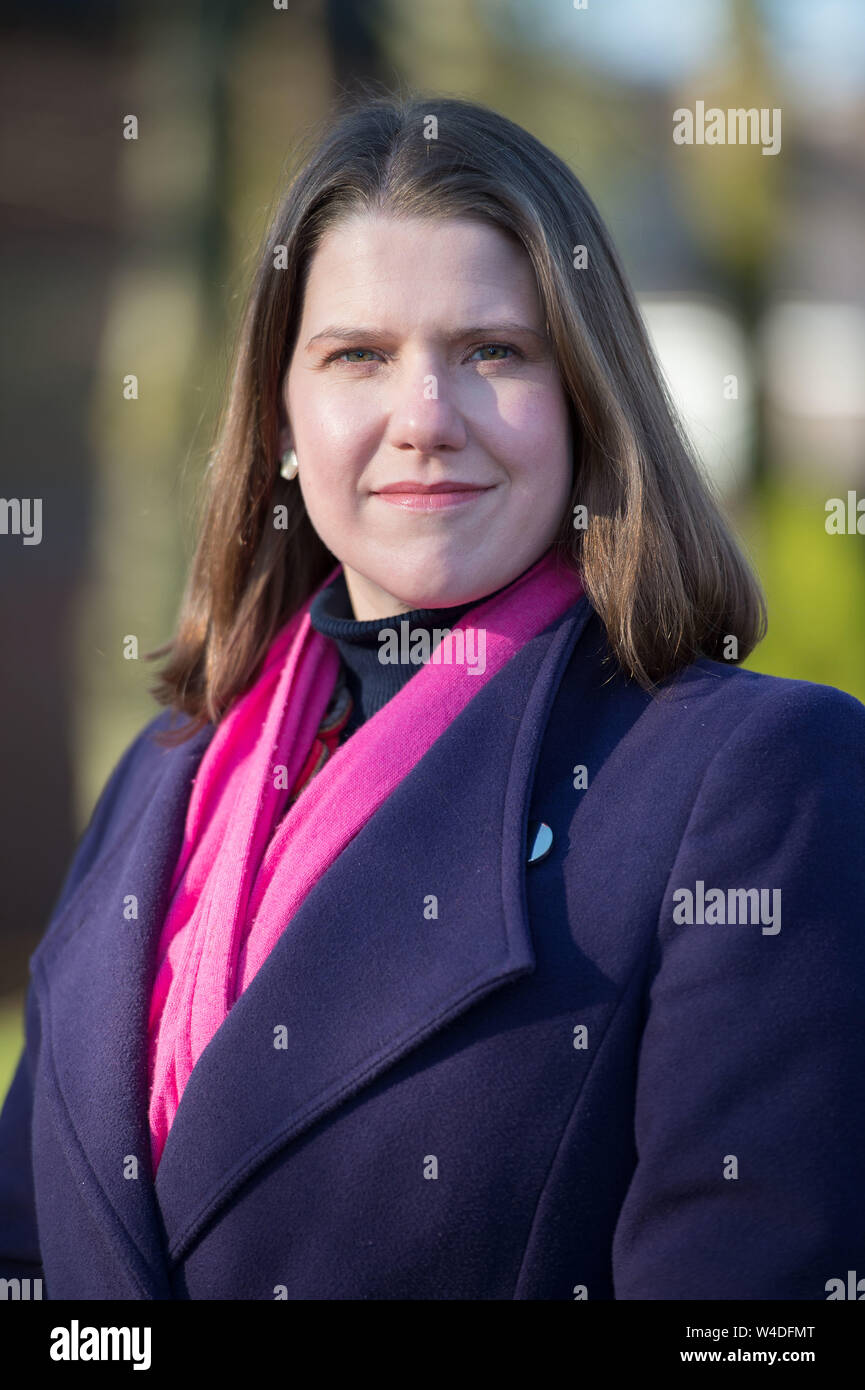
(422, 360)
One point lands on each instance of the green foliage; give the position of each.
(11, 1039)
(815, 590)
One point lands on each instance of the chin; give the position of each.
(442, 584)
(423, 594)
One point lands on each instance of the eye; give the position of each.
(344, 353)
(495, 347)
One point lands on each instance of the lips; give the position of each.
(452, 486)
(431, 497)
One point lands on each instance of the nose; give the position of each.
(424, 415)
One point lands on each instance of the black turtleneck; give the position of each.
(371, 683)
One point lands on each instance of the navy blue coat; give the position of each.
(553, 1089)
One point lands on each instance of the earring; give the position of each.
(289, 465)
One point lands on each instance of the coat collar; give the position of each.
(363, 975)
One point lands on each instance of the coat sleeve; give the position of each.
(750, 1105)
(19, 1240)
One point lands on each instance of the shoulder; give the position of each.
(715, 751)
(711, 706)
(779, 802)
(141, 762)
(128, 788)
(746, 714)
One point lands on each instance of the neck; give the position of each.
(371, 683)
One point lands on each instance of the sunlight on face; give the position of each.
(422, 360)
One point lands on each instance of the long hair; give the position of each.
(659, 562)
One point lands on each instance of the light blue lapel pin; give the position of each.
(540, 841)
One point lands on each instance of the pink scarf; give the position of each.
(245, 867)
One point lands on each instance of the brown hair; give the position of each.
(659, 562)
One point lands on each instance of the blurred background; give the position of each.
(129, 257)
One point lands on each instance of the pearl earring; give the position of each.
(289, 465)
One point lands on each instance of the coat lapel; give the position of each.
(422, 915)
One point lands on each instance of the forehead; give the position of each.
(373, 261)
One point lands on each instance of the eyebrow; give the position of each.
(348, 334)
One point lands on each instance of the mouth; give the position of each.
(431, 497)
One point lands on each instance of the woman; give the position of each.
(485, 931)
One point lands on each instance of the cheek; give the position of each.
(532, 425)
(328, 430)
(338, 425)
